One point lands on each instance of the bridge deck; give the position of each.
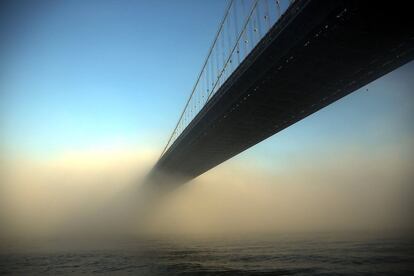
(318, 52)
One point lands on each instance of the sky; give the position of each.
(76, 74)
(91, 90)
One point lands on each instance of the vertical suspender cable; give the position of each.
(199, 76)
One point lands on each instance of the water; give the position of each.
(322, 254)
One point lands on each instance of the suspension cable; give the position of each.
(238, 38)
(199, 76)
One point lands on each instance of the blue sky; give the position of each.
(75, 73)
(79, 73)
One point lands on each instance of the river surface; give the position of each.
(321, 254)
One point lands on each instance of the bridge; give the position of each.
(271, 64)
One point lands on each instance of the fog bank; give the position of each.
(96, 195)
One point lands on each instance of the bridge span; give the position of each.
(312, 54)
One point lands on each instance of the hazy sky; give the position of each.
(97, 86)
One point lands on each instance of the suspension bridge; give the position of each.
(271, 64)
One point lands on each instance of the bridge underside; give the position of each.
(318, 52)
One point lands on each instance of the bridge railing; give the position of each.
(244, 24)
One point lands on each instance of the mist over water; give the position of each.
(88, 212)
(98, 196)
(239, 220)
